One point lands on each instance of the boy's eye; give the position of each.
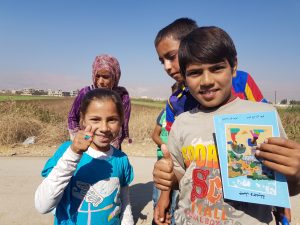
(217, 68)
(172, 56)
(193, 73)
(161, 61)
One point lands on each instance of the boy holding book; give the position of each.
(208, 61)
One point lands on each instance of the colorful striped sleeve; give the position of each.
(252, 91)
(244, 87)
(170, 117)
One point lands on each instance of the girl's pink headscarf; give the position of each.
(109, 63)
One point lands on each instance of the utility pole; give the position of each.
(275, 98)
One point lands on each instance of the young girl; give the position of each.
(106, 73)
(87, 179)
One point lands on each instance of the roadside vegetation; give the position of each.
(25, 97)
(46, 119)
(148, 102)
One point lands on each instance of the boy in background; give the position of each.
(208, 61)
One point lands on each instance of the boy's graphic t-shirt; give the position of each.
(191, 144)
(93, 194)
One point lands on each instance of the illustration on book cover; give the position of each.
(244, 177)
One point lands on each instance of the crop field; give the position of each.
(46, 119)
(148, 102)
(25, 97)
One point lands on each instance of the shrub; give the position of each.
(290, 118)
(47, 120)
(21, 120)
(142, 122)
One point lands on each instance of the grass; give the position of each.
(47, 120)
(22, 119)
(25, 97)
(148, 102)
(290, 118)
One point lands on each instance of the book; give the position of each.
(244, 177)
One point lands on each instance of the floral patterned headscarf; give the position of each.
(109, 63)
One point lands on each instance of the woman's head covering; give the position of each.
(109, 63)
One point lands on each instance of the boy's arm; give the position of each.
(283, 156)
(157, 130)
(163, 174)
(169, 170)
(126, 212)
(161, 215)
(156, 135)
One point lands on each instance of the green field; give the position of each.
(134, 101)
(25, 97)
(148, 102)
(46, 118)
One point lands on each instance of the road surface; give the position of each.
(20, 176)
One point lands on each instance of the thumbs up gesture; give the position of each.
(163, 175)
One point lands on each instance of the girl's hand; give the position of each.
(283, 156)
(83, 140)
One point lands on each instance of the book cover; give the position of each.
(244, 177)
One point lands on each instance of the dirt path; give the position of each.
(19, 177)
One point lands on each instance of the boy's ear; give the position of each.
(234, 69)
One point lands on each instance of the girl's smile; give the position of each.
(104, 119)
(103, 138)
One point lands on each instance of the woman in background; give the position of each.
(106, 73)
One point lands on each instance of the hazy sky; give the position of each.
(52, 44)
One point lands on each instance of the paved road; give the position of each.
(19, 177)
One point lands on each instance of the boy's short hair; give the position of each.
(206, 45)
(178, 29)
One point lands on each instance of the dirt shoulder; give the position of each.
(20, 176)
(18, 170)
(133, 149)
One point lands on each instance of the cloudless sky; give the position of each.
(52, 44)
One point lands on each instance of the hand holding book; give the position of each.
(282, 155)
